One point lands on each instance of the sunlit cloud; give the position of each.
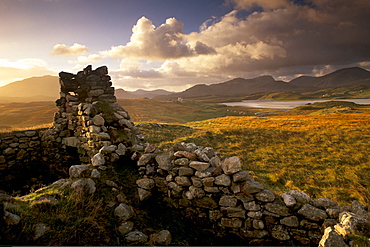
(11, 71)
(65, 50)
(86, 59)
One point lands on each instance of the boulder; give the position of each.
(126, 227)
(163, 237)
(136, 236)
(231, 165)
(199, 166)
(124, 212)
(331, 239)
(312, 213)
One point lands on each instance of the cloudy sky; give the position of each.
(174, 44)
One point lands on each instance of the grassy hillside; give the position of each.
(324, 155)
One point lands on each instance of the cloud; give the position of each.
(64, 50)
(158, 43)
(11, 71)
(86, 59)
(265, 4)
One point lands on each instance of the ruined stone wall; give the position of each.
(218, 193)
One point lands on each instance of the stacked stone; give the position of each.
(204, 186)
(89, 118)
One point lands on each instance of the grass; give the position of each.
(324, 155)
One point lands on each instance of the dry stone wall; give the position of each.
(218, 193)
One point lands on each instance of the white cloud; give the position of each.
(64, 50)
(157, 43)
(86, 59)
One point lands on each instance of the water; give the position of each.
(286, 105)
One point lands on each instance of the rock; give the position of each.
(265, 196)
(231, 165)
(234, 212)
(279, 232)
(144, 159)
(215, 161)
(199, 166)
(277, 208)
(164, 162)
(197, 182)
(146, 183)
(163, 237)
(299, 196)
(185, 154)
(223, 180)
(104, 136)
(333, 213)
(228, 201)
(2, 159)
(205, 202)
(108, 149)
(358, 208)
(121, 149)
(196, 192)
(204, 174)
(143, 194)
(95, 173)
(331, 239)
(111, 183)
(150, 148)
(80, 186)
(40, 230)
(252, 187)
(126, 227)
(324, 203)
(185, 171)
(136, 236)
(208, 181)
(289, 200)
(352, 224)
(11, 219)
(241, 176)
(98, 120)
(201, 155)
(94, 129)
(258, 224)
(30, 133)
(183, 181)
(98, 159)
(291, 221)
(254, 234)
(71, 141)
(233, 222)
(77, 171)
(124, 212)
(312, 213)
(91, 186)
(182, 162)
(215, 215)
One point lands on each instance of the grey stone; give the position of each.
(255, 214)
(331, 239)
(265, 196)
(241, 176)
(126, 227)
(40, 230)
(208, 182)
(254, 234)
(91, 186)
(186, 171)
(175, 187)
(80, 186)
(30, 133)
(197, 182)
(206, 173)
(9, 151)
(11, 219)
(197, 192)
(164, 162)
(231, 165)
(163, 237)
(94, 129)
(288, 200)
(124, 212)
(205, 202)
(77, 171)
(201, 155)
(121, 149)
(277, 208)
(258, 224)
(98, 159)
(182, 162)
(279, 232)
(144, 159)
(228, 201)
(108, 149)
(136, 236)
(312, 213)
(98, 120)
(333, 213)
(232, 223)
(124, 122)
(299, 196)
(199, 166)
(104, 136)
(291, 221)
(223, 180)
(111, 183)
(211, 189)
(252, 187)
(234, 212)
(146, 183)
(358, 208)
(324, 203)
(352, 224)
(182, 181)
(252, 206)
(143, 194)
(215, 161)
(95, 173)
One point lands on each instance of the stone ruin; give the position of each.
(91, 132)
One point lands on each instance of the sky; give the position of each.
(175, 44)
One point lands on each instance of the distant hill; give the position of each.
(267, 84)
(44, 88)
(139, 94)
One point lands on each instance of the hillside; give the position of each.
(267, 84)
(44, 88)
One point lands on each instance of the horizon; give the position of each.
(157, 44)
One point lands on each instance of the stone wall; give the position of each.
(218, 193)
